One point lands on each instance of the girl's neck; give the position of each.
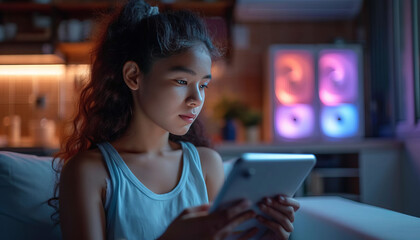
(144, 136)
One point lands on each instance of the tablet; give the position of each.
(258, 175)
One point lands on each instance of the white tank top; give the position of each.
(135, 212)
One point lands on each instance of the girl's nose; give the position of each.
(195, 98)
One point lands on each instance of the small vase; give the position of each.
(253, 134)
(229, 130)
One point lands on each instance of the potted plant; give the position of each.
(230, 110)
(251, 120)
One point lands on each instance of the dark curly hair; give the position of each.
(129, 34)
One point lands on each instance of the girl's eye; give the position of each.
(204, 86)
(182, 82)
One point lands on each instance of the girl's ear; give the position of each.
(132, 75)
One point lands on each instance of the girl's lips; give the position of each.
(188, 118)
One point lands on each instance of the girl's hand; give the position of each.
(282, 211)
(197, 223)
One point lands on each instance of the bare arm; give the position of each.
(197, 222)
(212, 168)
(81, 210)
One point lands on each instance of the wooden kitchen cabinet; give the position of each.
(39, 27)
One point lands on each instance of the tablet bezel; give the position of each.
(307, 162)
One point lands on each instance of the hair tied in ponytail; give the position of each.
(153, 11)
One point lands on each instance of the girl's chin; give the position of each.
(181, 132)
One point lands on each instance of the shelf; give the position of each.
(12, 48)
(25, 7)
(208, 9)
(85, 7)
(339, 147)
(25, 41)
(30, 42)
(76, 53)
(221, 8)
(39, 7)
(336, 172)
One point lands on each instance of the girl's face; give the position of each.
(172, 94)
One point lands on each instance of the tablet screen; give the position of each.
(258, 175)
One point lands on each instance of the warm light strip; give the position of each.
(31, 59)
(29, 70)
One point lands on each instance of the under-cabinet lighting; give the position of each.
(31, 59)
(30, 70)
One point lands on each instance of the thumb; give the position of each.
(197, 211)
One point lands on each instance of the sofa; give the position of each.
(27, 182)
(334, 217)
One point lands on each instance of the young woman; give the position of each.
(136, 165)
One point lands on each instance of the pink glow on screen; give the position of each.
(295, 122)
(294, 76)
(338, 76)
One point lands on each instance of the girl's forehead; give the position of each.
(196, 49)
(196, 55)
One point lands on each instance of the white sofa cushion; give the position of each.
(26, 184)
(338, 218)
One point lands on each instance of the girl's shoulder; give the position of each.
(85, 159)
(208, 154)
(85, 165)
(81, 192)
(210, 160)
(212, 168)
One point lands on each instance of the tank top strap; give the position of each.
(107, 153)
(192, 154)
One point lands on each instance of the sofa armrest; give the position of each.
(26, 184)
(339, 218)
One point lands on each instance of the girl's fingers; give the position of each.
(279, 231)
(288, 201)
(195, 211)
(223, 221)
(269, 235)
(279, 217)
(284, 209)
(233, 223)
(249, 234)
(285, 205)
(234, 210)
